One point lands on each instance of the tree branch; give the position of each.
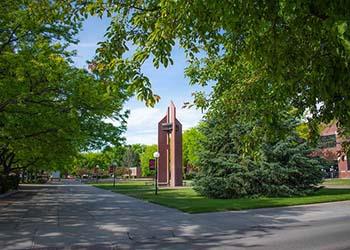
(4, 104)
(10, 39)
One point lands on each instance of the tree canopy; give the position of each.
(50, 110)
(271, 53)
(191, 146)
(146, 155)
(131, 156)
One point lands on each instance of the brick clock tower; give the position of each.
(170, 149)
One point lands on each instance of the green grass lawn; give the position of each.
(187, 200)
(337, 182)
(127, 185)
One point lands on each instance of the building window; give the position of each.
(348, 160)
(328, 141)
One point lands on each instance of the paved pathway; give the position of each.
(84, 217)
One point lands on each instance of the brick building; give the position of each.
(331, 149)
(135, 172)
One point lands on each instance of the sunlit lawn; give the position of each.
(187, 200)
(337, 182)
(127, 185)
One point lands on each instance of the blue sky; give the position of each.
(169, 83)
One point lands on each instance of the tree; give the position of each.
(274, 166)
(114, 155)
(300, 50)
(138, 148)
(191, 144)
(84, 163)
(50, 110)
(145, 157)
(131, 158)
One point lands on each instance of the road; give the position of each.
(83, 217)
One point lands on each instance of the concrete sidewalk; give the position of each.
(84, 217)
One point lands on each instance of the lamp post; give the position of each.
(156, 156)
(97, 172)
(114, 165)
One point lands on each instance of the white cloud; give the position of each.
(143, 123)
(189, 117)
(143, 117)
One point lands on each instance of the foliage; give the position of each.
(121, 156)
(299, 50)
(122, 171)
(131, 158)
(85, 163)
(275, 166)
(145, 157)
(50, 110)
(138, 148)
(114, 155)
(303, 131)
(191, 145)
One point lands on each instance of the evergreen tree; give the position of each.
(271, 166)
